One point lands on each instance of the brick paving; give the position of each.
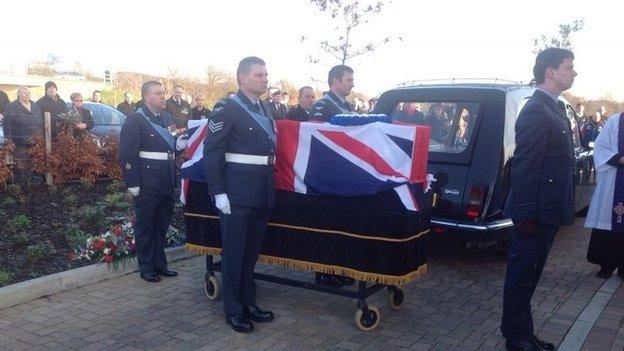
(455, 306)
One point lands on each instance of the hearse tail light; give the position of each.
(475, 203)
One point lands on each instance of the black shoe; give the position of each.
(604, 274)
(328, 280)
(239, 324)
(345, 280)
(150, 277)
(166, 272)
(255, 314)
(520, 345)
(543, 345)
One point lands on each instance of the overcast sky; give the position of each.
(441, 39)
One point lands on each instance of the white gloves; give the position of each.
(181, 142)
(134, 190)
(223, 203)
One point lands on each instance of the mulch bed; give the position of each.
(40, 226)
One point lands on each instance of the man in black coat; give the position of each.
(340, 80)
(278, 109)
(239, 158)
(146, 156)
(86, 118)
(200, 111)
(23, 118)
(305, 100)
(128, 106)
(4, 102)
(542, 193)
(179, 108)
(52, 102)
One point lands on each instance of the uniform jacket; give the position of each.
(233, 130)
(542, 185)
(155, 177)
(126, 108)
(298, 113)
(329, 106)
(21, 124)
(181, 112)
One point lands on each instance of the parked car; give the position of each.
(1, 134)
(107, 119)
(471, 155)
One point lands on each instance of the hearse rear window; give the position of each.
(451, 122)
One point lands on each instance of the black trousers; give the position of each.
(242, 234)
(527, 257)
(153, 215)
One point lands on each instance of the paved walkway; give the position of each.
(455, 306)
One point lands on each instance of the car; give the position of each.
(107, 119)
(471, 156)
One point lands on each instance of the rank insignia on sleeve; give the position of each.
(128, 166)
(215, 127)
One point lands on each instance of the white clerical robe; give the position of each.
(605, 147)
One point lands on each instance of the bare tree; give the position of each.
(563, 39)
(347, 15)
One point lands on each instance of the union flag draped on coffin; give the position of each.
(350, 201)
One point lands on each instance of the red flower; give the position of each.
(71, 256)
(108, 258)
(117, 231)
(98, 244)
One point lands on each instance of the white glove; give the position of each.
(591, 144)
(223, 203)
(181, 143)
(134, 190)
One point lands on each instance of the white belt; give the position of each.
(250, 159)
(155, 155)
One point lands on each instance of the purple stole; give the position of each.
(617, 219)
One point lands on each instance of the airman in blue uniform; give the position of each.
(333, 102)
(239, 158)
(146, 156)
(542, 193)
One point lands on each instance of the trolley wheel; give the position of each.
(212, 287)
(367, 321)
(395, 298)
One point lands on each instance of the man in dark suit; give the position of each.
(542, 193)
(146, 156)
(301, 112)
(340, 80)
(179, 108)
(278, 109)
(200, 111)
(239, 158)
(128, 106)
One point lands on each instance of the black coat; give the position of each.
(542, 184)
(4, 102)
(155, 177)
(298, 113)
(20, 124)
(233, 130)
(326, 108)
(126, 108)
(198, 114)
(181, 112)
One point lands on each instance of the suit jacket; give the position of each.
(233, 130)
(278, 111)
(181, 112)
(21, 124)
(542, 184)
(298, 113)
(126, 108)
(155, 177)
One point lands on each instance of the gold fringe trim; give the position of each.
(327, 231)
(323, 268)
